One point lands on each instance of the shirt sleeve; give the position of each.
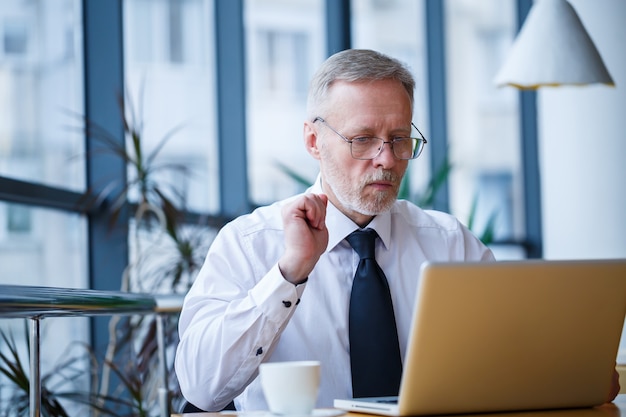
(474, 248)
(231, 319)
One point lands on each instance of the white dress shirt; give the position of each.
(240, 311)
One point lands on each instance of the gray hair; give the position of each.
(354, 65)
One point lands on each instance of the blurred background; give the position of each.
(217, 89)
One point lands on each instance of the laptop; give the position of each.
(509, 336)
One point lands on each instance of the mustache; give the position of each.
(382, 176)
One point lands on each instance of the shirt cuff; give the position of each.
(275, 296)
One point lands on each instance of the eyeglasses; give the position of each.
(369, 147)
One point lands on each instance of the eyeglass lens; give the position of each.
(370, 147)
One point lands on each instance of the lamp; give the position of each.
(552, 49)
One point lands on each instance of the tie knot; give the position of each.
(363, 242)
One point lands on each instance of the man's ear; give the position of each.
(310, 139)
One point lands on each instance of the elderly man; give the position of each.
(277, 284)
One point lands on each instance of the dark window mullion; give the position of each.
(231, 107)
(338, 26)
(104, 74)
(436, 64)
(28, 193)
(530, 158)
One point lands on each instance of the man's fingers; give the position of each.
(311, 208)
(316, 210)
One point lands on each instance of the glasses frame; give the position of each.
(421, 142)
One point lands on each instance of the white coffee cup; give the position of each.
(290, 388)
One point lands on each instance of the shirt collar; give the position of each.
(340, 226)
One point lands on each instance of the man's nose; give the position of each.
(385, 157)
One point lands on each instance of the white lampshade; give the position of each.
(552, 48)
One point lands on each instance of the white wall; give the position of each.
(582, 143)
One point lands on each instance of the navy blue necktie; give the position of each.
(374, 348)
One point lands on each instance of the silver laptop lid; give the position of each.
(513, 336)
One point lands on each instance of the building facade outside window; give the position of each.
(285, 43)
(41, 92)
(483, 121)
(41, 141)
(170, 92)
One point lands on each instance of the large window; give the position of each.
(483, 121)
(41, 108)
(170, 91)
(41, 141)
(41, 92)
(284, 45)
(42, 247)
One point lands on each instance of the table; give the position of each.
(614, 409)
(36, 303)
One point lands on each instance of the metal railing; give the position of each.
(37, 303)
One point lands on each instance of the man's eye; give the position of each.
(362, 139)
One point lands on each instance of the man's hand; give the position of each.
(306, 236)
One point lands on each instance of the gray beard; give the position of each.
(351, 199)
